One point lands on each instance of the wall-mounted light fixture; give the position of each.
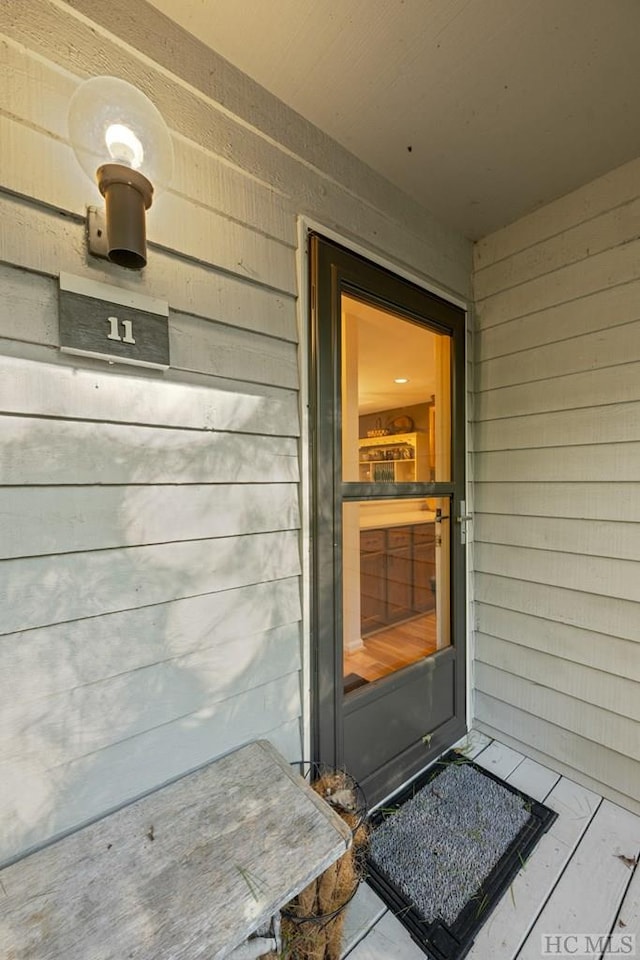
(121, 141)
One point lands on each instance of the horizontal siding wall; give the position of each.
(149, 589)
(557, 493)
(150, 523)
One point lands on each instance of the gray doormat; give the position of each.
(445, 849)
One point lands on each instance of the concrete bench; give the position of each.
(189, 871)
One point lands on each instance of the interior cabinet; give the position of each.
(397, 565)
(373, 588)
(397, 458)
(399, 574)
(424, 567)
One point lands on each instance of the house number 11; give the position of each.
(114, 332)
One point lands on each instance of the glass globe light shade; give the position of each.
(110, 121)
(121, 141)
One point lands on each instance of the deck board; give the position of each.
(387, 941)
(499, 759)
(472, 744)
(587, 897)
(533, 779)
(364, 911)
(628, 920)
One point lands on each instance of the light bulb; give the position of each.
(122, 142)
(124, 146)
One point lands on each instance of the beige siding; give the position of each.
(150, 524)
(557, 469)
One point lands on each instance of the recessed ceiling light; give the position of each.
(401, 380)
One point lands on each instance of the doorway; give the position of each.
(387, 453)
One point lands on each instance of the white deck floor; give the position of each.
(580, 879)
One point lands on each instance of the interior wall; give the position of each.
(150, 614)
(557, 484)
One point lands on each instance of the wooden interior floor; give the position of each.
(394, 647)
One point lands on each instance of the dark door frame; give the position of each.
(335, 269)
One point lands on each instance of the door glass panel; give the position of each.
(396, 398)
(396, 585)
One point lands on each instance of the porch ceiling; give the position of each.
(481, 110)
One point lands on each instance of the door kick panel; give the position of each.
(379, 728)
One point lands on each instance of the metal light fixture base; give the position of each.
(97, 233)
(127, 194)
